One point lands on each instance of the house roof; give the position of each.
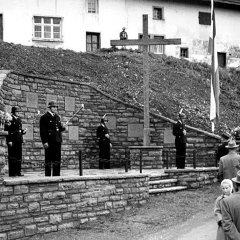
(223, 2)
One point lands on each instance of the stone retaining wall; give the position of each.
(37, 206)
(32, 93)
(194, 178)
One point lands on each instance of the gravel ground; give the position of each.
(163, 217)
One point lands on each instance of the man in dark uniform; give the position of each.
(222, 150)
(179, 132)
(51, 130)
(14, 143)
(104, 145)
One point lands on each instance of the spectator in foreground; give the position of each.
(227, 190)
(231, 212)
(230, 163)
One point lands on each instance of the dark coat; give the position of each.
(178, 132)
(51, 128)
(221, 151)
(15, 130)
(231, 216)
(104, 142)
(228, 166)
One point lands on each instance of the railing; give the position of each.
(194, 157)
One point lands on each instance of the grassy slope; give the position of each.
(174, 83)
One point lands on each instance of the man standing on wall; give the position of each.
(179, 132)
(51, 130)
(14, 143)
(104, 144)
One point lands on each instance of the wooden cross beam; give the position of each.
(145, 42)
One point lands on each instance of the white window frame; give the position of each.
(92, 6)
(155, 17)
(42, 25)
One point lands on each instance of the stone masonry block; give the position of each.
(3, 236)
(15, 234)
(30, 230)
(47, 229)
(65, 226)
(55, 218)
(32, 197)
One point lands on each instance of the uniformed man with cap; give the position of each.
(14, 143)
(104, 144)
(179, 132)
(51, 130)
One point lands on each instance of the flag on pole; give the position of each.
(215, 89)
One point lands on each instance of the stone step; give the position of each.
(161, 176)
(164, 183)
(159, 191)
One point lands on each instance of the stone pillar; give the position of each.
(2, 154)
(151, 157)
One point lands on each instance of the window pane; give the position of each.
(38, 34)
(56, 35)
(47, 32)
(56, 29)
(37, 28)
(47, 20)
(56, 20)
(94, 47)
(89, 47)
(94, 39)
(37, 19)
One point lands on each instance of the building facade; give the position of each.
(87, 25)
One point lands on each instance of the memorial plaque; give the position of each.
(73, 133)
(70, 104)
(168, 136)
(32, 100)
(51, 98)
(29, 134)
(135, 130)
(112, 122)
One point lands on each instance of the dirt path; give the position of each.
(201, 226)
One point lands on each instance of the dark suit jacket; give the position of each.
(178, 132)
(51, 128)
(228, 166)
(15, 131)
(231, 216)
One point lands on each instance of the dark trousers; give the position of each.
(15, 159)
(104, 154)
(53, 159)
(180, 155)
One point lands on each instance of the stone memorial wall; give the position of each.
(32, 94)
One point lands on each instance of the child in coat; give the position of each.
(227, 190)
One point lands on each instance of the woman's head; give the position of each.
(227, 186)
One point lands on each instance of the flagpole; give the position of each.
(215, 89)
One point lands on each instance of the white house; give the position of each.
(86, 25)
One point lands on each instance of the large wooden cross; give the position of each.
(145, 42)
